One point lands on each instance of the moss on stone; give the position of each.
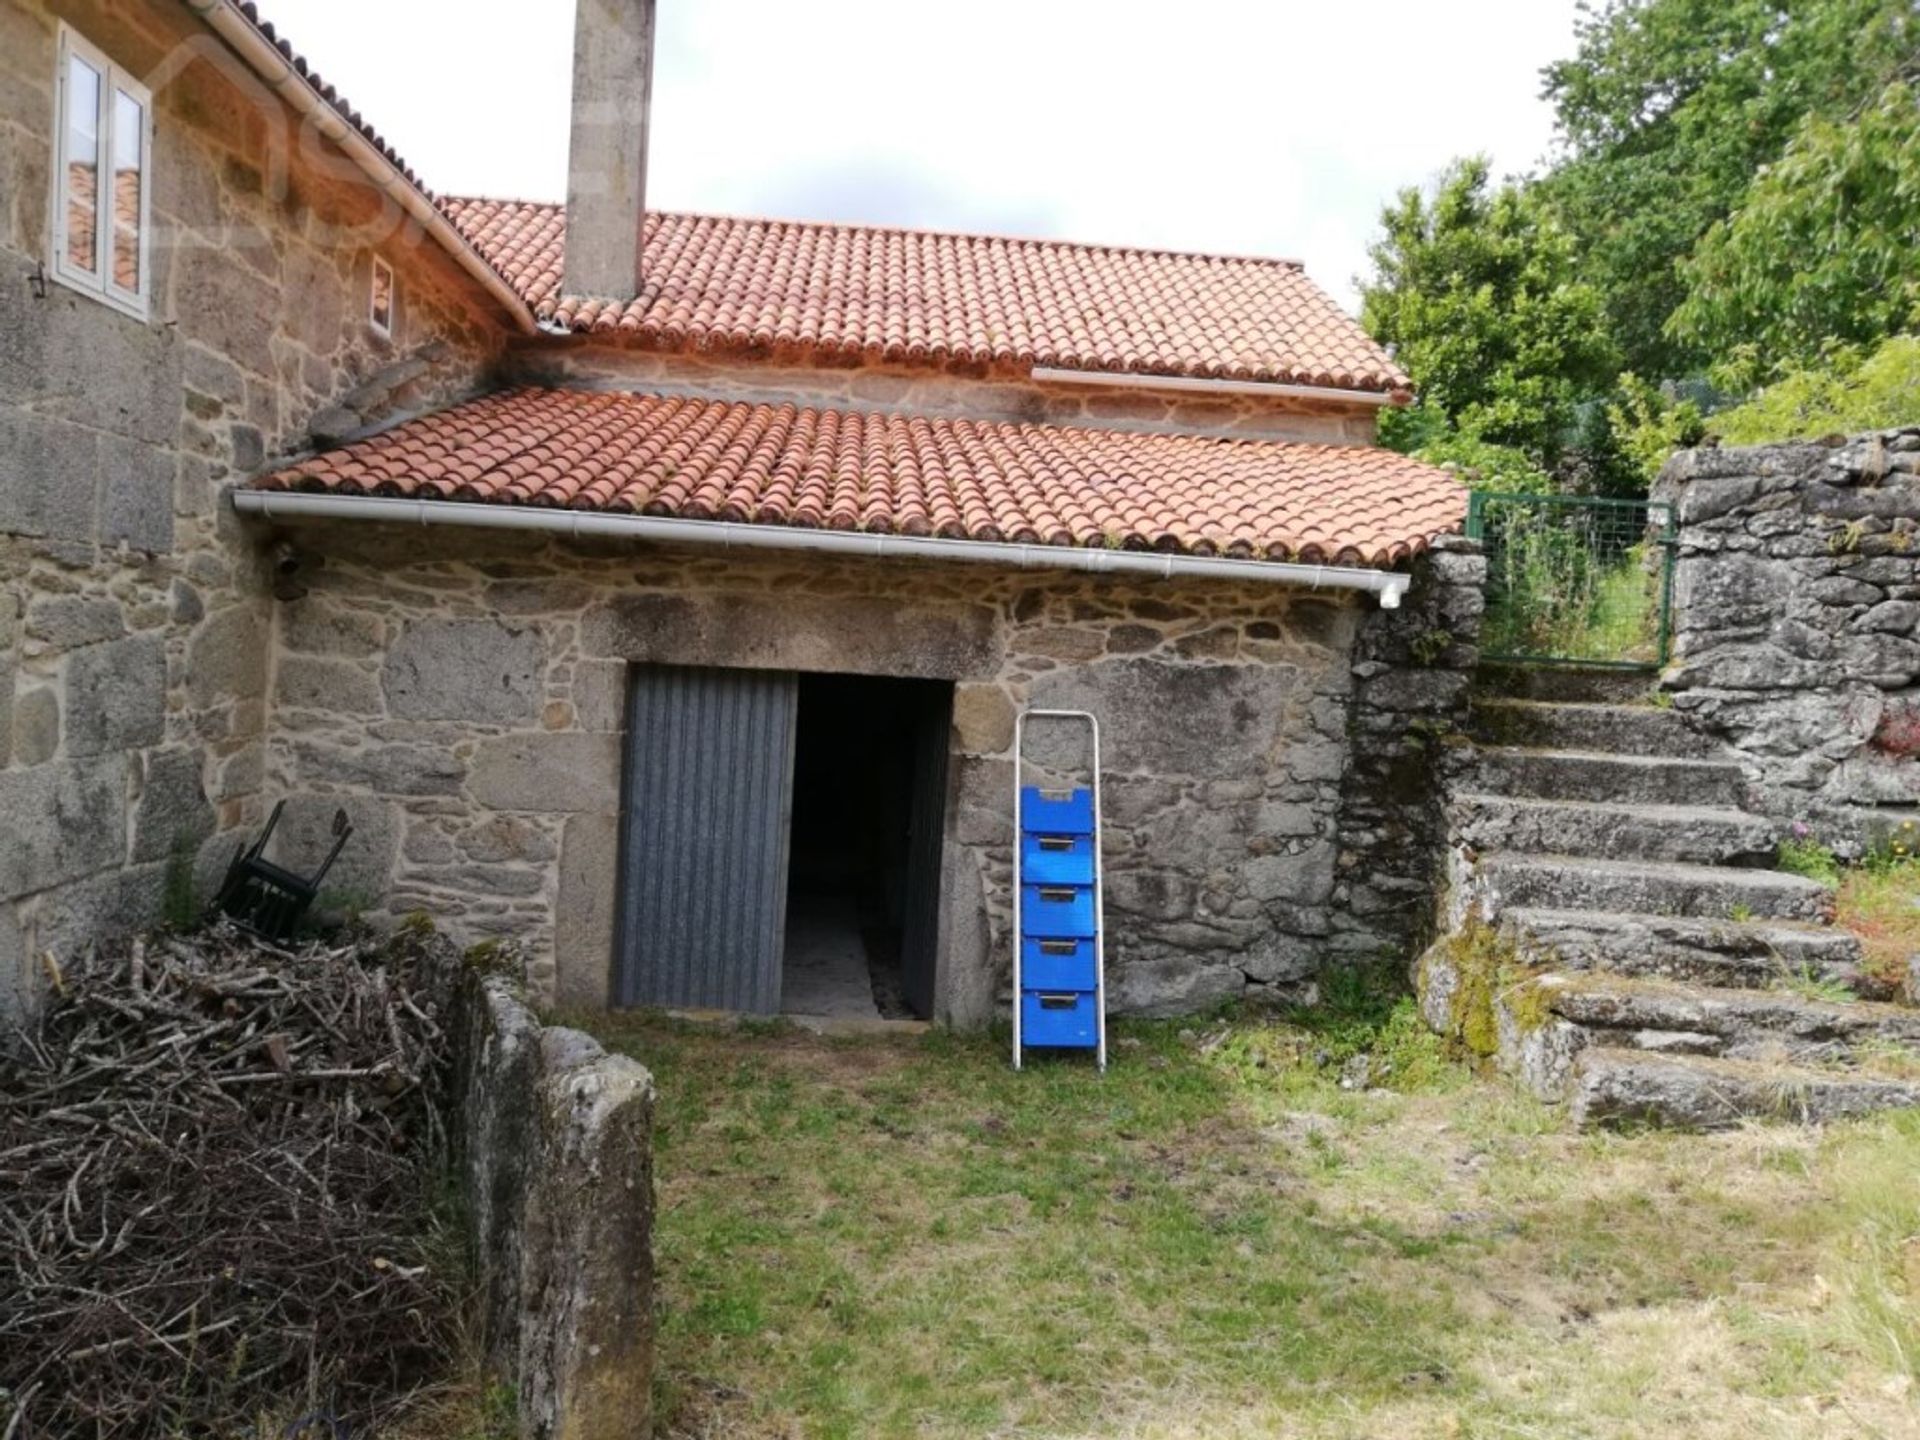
(1489, 973)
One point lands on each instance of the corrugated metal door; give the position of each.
(703, 869)
(926, 835)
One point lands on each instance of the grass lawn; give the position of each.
(903, 1237)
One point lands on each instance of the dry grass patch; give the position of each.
(886, 1237)
(1881, 904)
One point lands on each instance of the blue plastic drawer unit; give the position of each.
(1061, 1018)
(1058, 964)
(1056, 812)
(1056, 912)
(1056, 859)
(1059, 1000)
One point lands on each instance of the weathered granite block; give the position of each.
(563, 772)
(66, 622)
(172, 811)
(116, 695)
(227, 657)
(557, 1141)
(63, 820)
(474, 670)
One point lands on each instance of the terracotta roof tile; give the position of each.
(908, 475)
(910, 295)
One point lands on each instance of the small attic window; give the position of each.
(380, 303)
(101, 229)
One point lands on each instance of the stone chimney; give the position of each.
(607, 161)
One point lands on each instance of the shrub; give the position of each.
(1847, 392)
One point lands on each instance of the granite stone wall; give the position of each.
(1797, 622)
(968, 391)
(461, 694)
(134, 613)
(1413, 669)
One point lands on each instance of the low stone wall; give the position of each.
(1797, 622)
(556, 1155)
(1412, 670)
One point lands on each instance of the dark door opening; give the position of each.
(863, 883)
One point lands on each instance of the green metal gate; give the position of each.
(1575, 579)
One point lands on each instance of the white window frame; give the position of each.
(113, 80)
(383, 329)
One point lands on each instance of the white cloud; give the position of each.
(1231, 125)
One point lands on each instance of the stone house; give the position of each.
(659, 590)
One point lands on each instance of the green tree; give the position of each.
(1666, 111)
(1474, 287)
(1846, 392)
(1825, 247)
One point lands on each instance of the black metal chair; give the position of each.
(268, 899)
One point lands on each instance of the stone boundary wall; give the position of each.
(555, 1144)
(1797, 622)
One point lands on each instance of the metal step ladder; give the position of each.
(1059, 957)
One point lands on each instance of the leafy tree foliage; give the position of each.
(1844, 392)
(1735, 197)
(1648, 424)
(1824, 247)
(1666, 111)
(1425, 433)
(1474, 287)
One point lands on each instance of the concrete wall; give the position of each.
(1797, 622)
(967, 391)
(466, 709)
(134, 620)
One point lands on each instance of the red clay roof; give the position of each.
(879, 293)
(910, 475)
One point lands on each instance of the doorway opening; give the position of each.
(863, 870)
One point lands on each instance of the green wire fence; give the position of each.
(1575, 579)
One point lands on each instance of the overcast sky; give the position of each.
(1272, 127)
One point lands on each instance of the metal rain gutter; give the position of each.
(265, 59)
(1129, 379)
(1388, 585)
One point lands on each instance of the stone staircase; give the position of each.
(1620, 941)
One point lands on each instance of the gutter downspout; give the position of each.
(1129, 379)
(1388, 585)
(265, 59)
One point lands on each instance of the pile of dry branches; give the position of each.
(218, 1167)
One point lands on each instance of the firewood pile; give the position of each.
(219, 1162)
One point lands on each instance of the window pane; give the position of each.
(382, 313)
(83, 163)
(129, 135)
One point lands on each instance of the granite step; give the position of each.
(1611, 729)
(1728, 954)
(1506, 880)
(1616, 1012)
(1565, 684)
(1623, 1087)
(1609, 779)
(1697, 834)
